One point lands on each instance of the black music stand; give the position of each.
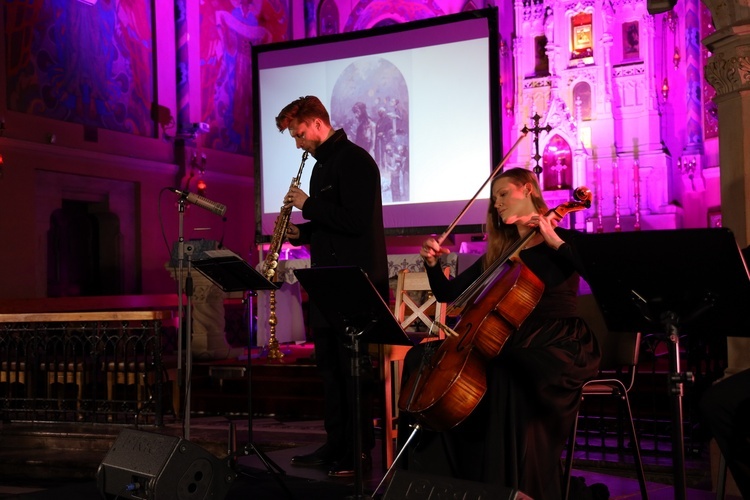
(232, 274)
(689, 282)
(352, 305)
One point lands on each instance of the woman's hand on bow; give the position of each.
(431, 251)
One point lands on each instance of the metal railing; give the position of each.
(98, 367)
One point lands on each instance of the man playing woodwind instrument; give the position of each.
(344, 228)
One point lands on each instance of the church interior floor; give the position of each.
(72, 475)
(60, 460)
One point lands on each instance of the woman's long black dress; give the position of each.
(515, 437)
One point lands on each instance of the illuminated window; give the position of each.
(582, 37)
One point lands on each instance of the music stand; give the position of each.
(231, 273)
(689, 281)
(352, 305)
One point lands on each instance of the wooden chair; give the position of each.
(616, 377)
(413, 301)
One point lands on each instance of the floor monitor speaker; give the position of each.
(147, 466)
(407, 485)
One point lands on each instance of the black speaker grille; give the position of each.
(147, 466)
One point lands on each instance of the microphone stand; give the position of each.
(184, 319)
(185, 331)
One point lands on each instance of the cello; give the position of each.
(451, 383)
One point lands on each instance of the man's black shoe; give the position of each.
(346, 468)
(310, 459)
(321, 456)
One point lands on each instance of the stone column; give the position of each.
(208, 340)
(728, 71)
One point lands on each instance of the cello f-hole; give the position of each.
(439, 360)
(464, 340)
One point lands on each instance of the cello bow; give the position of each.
(495, 171)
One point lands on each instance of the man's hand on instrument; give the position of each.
(431, 251)
(295, 197)
(292, 232)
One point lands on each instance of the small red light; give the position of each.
(201, 185)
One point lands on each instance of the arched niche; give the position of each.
(582, 91)
(557, 161)
(328, 18)
(369, 13)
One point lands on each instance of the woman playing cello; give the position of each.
(516, 434)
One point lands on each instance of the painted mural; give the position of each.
(229, 30)
(82, 62)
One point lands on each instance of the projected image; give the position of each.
(370, 102)
(420, 97)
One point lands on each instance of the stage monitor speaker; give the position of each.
(659, 6)
(147, 466)
(407, 485)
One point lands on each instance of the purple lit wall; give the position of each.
(91, 89)
(623, 94)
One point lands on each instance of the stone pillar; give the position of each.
(728, 71)
(208, 341)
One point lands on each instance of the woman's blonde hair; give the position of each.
(500, 236)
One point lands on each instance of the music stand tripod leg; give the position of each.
(249, 448)
(355, 369)
(358, 313)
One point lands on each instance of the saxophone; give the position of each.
(272, 262)
(279, 231)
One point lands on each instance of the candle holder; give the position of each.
(616, 182)
(599, 199)
(637, 194)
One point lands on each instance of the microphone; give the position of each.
(202, 202)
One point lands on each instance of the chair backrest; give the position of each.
(408, 308)
(619, 349)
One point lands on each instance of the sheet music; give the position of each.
(221, 253)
